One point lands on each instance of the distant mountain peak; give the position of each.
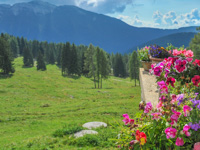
(37, 6)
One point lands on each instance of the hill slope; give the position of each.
(43, 21)
(177, 40)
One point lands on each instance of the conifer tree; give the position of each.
(98, 64)
(134, 66)
(195, 44)
(65, 58)
(52, 57)
(73, 65)
(14, 46)
(28, 57)
(104, 67)
(119, 67)
(5, 57)
(89, 62)
(40, 62)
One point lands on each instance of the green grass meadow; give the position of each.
(36, 104)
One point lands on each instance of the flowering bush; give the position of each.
(175, 122)
(143, 54)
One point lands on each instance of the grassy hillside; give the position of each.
(36, 104)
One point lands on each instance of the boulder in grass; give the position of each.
(91, 125)
(84, 132)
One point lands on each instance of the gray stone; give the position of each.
(84, 132)
(91, 125)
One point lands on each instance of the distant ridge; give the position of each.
(46, 22)
(177, 40)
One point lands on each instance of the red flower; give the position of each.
(180, 65)
(171, 81)
(197, 62)
(141, 137)
(196, 80)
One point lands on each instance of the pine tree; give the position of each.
(40, 62)
(28, 57)
(134, 66)
(5, 57)
(104, 67)
(65, 58)
(52, 57)
(195, 45)
(119, 67)
(89, 62)
(14, 46)
(98, 64)
(73, 65)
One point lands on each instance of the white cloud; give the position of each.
(172, 20)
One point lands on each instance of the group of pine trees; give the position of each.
(79, 60)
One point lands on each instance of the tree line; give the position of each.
(90, 61)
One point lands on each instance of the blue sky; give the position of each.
(140, 13)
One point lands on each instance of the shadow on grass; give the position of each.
(72, 76)
(27, 66)
(2, 92)
(5, 76)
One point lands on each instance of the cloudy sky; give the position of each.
(140, 13)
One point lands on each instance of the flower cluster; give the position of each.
(176, 119)
(143, 54)
(158, 52)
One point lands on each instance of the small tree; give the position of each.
(28, 57)
(5, 57)
(134, 66)
(40, 62)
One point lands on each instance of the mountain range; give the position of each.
(47, 22)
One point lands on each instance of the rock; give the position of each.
(84, 132)
(91, 125)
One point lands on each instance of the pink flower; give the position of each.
(197, 146)
(164, 89)
(170, 132)
(127, 119)
(186, 110)
(131, 121)
(196, 62)
(174, 117)
(159, 105)
(176, 52)
(180, 65)
(179, 141)
(196, 80)
(148, 107)
(174, 98)
(161, 83)
(189, 53)
(171, 81)
(157, 71)
(156, 116)
(185, 130)
(189, 59)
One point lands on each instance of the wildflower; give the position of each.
(171, 81)
(148, 107)
(179, 141)
(180, 65)
(164, 89)
(156, 116)
(195, 126)
(186, 110)
(127, 119)
(170, 132)
(196, 80)
(174, 117)
(161, 83)
(185, 130)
